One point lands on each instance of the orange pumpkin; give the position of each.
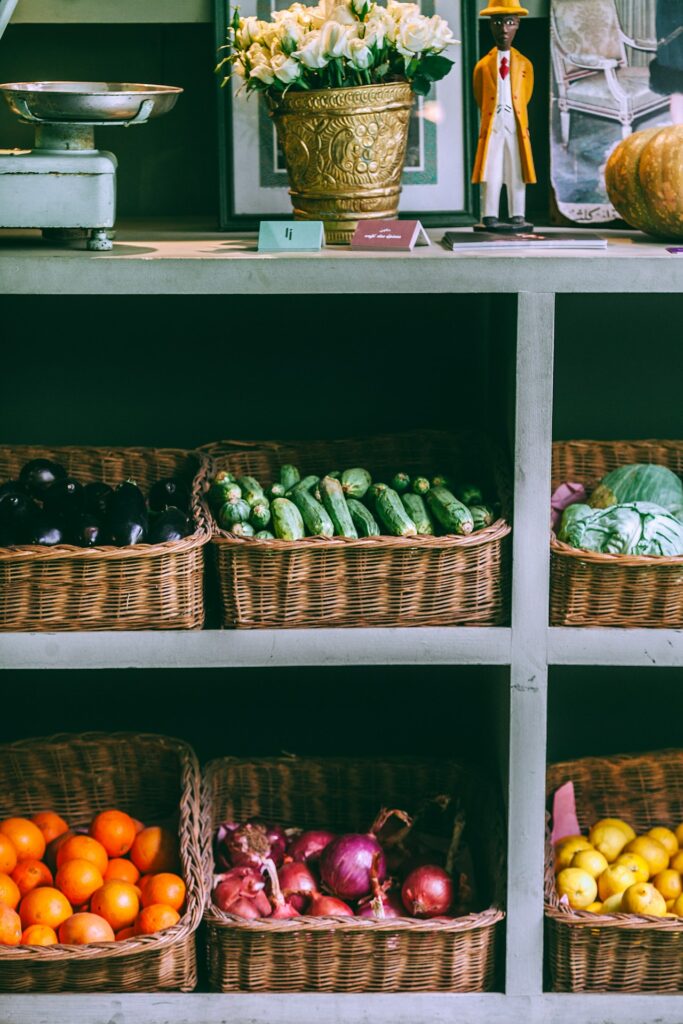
(644, 178)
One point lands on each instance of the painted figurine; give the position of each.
(503, 84)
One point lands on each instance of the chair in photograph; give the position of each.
(592, 69)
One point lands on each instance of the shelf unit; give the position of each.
(159, 263)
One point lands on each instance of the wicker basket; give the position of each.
(374, 581)
(591, 589)
(351, 954)
(145, 586)
(616, 952)
(155, 779)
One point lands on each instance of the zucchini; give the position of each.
(233, 512)
(394, 516)
(372, 493)
(482, 516)
(251, 489)
(417, 510)
(469, 494)
(316, 519)
(363, 519)
(441, 480)
(264, 535)
(243, 530)
(276, 491)
(289, 476)
(335, 474)
(401, 482)
(260, 515)
(355, 482)
(421, 485)
(306, 484)
(450, 512)
(223, 477)
(287, 521)
(220, 493)
(335, 503)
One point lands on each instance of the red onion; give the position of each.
(277, 837)
(247, 846)
(384, 906)
(328, 906)
(427, 891)
(350, 863)
(297, 884)
(309, 845)
(246, 908)
(237, 888)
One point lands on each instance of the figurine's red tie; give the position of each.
(504, 69)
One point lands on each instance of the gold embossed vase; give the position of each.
(344, 150)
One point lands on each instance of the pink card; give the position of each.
(399, 235)
(565, 822)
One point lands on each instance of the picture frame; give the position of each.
(441, 143)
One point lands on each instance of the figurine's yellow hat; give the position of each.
(503, 7)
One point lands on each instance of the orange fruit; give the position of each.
(10, 926)
(138, 825)
(155, 918)
(9, 892)
(27, 838)
(30, 873)
(39, 935)
(78, 879)
(8, 855)
(44, 906)
(80, 929)
(83, 848)
(54, 847)
(117, 902)
(165, 888)
(125, 933)
(115, 830)
(50, 824)
(122, 869)
(154, 849)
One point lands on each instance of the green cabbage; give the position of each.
(638, 482)
(634, 528)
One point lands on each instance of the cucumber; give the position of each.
(469, 494)
(260, 515)
(334, 501)
(243, 530)
(450, 512)
(441, 480)
(392, 513)
(482, 516)
(401, 482)
(363, 519)
(372, 493)
(223, 477)
(316, 519)
(421, 485)
(264, 535)
(287, 521)
(276, 491)
(417, 510)
(251, 488)
(355, 482)
(220, 493)
(289, 476)
(233, 512)
(256, 499)
(335, 474)
(306, 484)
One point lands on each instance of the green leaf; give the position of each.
(434, 67)
(421, 86)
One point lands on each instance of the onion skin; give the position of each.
(297, 884)
(241, 891)
(277, 837)
(350, 864)
(328, 906)
(427, 892)
(392, 906)
(309, 845)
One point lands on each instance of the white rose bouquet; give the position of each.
(338, 43)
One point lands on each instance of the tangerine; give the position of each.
(9, 892)
(83, 848)
(165, 888)
(8, 855)
(138, 825)
(50, 824)
(78, 879)
(45, 905)
(39, 935)
(115, 830)
(117, 902)
(10, 926)
(80, 929)
(27, 838)
(155, 918)
(54, 847)
(125, 933)
(122, 869)
(30, 873)
(154, 849)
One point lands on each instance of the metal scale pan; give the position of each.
(97, 103)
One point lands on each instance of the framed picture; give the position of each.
(441, 139)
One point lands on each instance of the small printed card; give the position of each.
(291, 236)
(675, 250)
(399, 235)
(565, 822)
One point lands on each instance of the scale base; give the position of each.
(93, 239)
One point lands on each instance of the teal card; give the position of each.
(291, 236)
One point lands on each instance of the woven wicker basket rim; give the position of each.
(201, 535)
(560, 912)
(217, 918)
(193, 868)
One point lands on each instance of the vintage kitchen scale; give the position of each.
(64, 185)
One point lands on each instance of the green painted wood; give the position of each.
(122, 12)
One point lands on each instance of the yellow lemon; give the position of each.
(578, 886)
(635, 863)
(594, 908)
(643, 898)
(667, 838)
(612, 905)
(609, 840)
(651, 850)
(614, 879)
(566, 848)
(678, 907)
(591, 861)
(668, 882)
(617, 823)
(679, 834)
(676, 862)
(670, 905)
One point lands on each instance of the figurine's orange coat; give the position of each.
(485, 92)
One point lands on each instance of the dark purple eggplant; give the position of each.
(64, 497)
(96, 497)
(14, 500)
(42, 528)
(127, 502)
(85, 530)
(171, 524)
(7, 534)
(169, 492)
(39, 474)
(127, 530)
